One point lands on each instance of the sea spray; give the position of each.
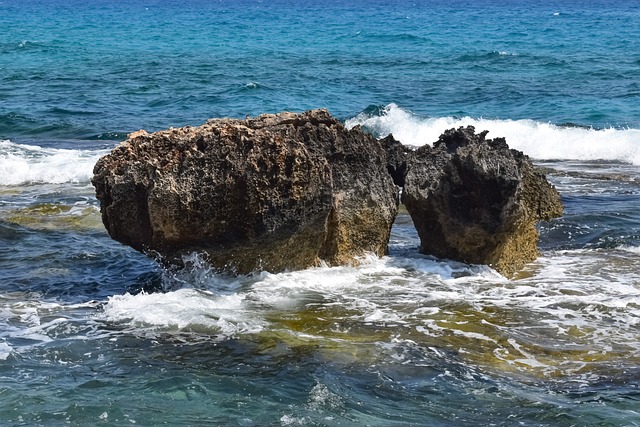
(540, 141)
(28, 164)
(565, 306)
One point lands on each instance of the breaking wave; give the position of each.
(541, 141)
(22, 164)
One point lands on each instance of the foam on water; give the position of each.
(632, 249)
(185, 309)
(26, 325)
(541, 141)
(5, 350)
(26, 164)
(571, 305)
(201, 299)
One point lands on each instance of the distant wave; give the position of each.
(68, 112)
(250, 86)
(540, 141)
(394, 38)
(480, 56)
(22, 164)
(108, 136)
(22, 45)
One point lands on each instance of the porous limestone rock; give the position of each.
(475, 200)
(276, 192)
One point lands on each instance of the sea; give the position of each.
(93, 333)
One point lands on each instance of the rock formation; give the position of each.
(289, 191)
(276, 192)
(475, 200)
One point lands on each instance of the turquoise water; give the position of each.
(82, 69)
(93, 333)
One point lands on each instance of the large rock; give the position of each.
(275, 192)
(475, 200)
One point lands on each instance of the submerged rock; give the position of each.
(276, 192)
(475, 200)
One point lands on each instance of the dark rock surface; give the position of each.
(475, 200)
(276, 192)
(289, 191)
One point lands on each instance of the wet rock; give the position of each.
(276, 192)
(475, 200)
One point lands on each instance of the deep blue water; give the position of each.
(93, 333)
(87, 69)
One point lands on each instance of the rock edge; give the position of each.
(288, 191)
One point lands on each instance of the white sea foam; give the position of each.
(571, 300)
(388, 290)
(26, 164)
(320, 398)
(28, 324)
(5, 351)
(541, 141)
(225, 315)
(632, 249)
(227, 306)
(578, 300)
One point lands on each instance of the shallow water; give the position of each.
(405, 339)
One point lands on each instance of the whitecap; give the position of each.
(320, 397)
(632, 249)
(540, 141)
(289, 420)
(185, 309)
(5, 350)
(26, 164)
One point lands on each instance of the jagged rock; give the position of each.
(275, 192)
(397, 158)
(475, 200)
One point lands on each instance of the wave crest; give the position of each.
(30, 164)
(541, 141)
